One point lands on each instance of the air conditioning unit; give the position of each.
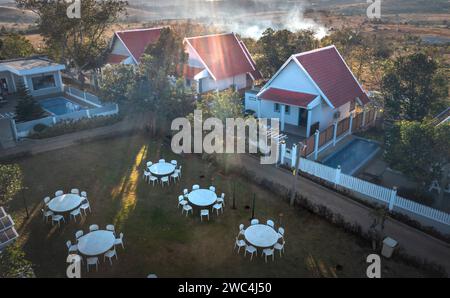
(337, 115)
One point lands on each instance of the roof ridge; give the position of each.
(210, 35)
(141, 29)
(315, 51)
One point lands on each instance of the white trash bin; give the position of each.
(389, 246)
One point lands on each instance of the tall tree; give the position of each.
(27, 107)
(10, 181)
(13, 263)
(79, 43)
(408, 88)
(275, 47)
(117, 81)
(15, 46)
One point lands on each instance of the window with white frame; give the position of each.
(43, 82)
(277, 107)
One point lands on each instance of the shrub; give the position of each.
(69, 126)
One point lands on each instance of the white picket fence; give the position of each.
(375, 192)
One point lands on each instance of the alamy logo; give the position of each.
(74, 268)
(229, 138)
(374, 269)
(74, 9)
(374, 9)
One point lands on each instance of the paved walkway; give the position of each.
(413, 241)
(35, 146)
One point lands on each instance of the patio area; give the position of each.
(160, 241)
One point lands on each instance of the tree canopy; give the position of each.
(14, 265)
(15, 46)
(10, 181)
(79, 43)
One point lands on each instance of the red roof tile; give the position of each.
(222, 54)
(288, 97)
(329, 71)
(115, 59)
(137, 40)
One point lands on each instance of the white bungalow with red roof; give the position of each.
(128, 46)
(310, 91)
(218, 62)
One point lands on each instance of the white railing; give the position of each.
(377, 193)
(83, 96)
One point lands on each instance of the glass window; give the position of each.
(277, 107)
(43, 82)
(287, 109)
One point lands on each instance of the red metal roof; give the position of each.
(288, 97)
(190, 72)
(329, 71)
(222, 54)
(137, 40)
(115, 59)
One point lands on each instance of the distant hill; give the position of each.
(10, 14)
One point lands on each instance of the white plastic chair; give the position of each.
(221, 199)
(79, 234)
(119, 241)
(110, 228)
(93, 228)
(84, 207)
(251, 250)
(174, 162)
(185, 192)
(241, 230)
(195, 187)
(146, 175)
(92, 261)
(239, 244)
(71, 247)
(280, 233)
(46, 214)
(84, 194)
(181, 201)
(110, 254)
(204, 212)
(268, 252)
(178, 171)
(59, 193)
(58, 218)
(162, 160)
(175, 176)
(165, 179)
(152, 179)
(75, 191)
(75, 213)
(212, 188)
(46, 200)
(270, 223)
(254, 221)
(218, 207)
(149, 164)
(279, 246)
(187, 208)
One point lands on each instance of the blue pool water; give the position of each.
(59, 106)
(353, 156)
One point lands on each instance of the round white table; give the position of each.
(65, 203)
(96, 243)
(261, 236)
(202, 197)
(162, 169)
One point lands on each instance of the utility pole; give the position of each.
(301, 148)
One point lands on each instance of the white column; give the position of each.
(335, 133)
(393, 198)
(316, 144)
(61, 85)
(25, 82)
(308, 124)
(337, 178)
(283, 111)
(259, 108)
(283, 152)
(350, 124)
(293, 155)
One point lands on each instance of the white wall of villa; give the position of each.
(41, 83)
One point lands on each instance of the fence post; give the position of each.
(283, 152)
(393, 198)
(14, 129)
(337, 178)
(88, 113)
(84, 95)
(293, 155)
(54, 120)
(335, 133)
(316, 144)
(350, 124)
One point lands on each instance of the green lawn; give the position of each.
(157, 238)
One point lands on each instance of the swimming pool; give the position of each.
(59, 106)
(353, 156)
